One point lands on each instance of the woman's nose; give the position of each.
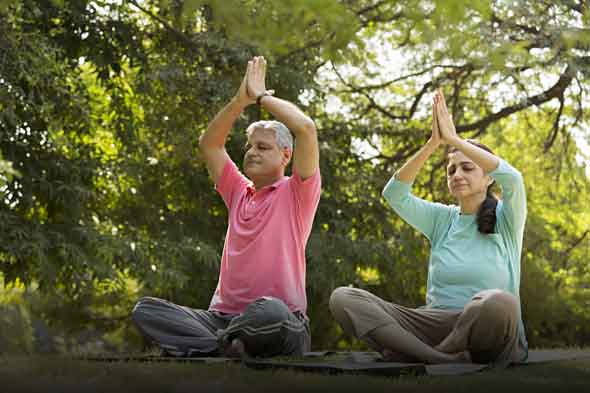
(457, 174)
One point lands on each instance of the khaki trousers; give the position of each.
(487, 327)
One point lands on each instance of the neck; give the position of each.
(471, 204)
(263, 181)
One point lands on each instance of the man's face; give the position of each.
(263, 155)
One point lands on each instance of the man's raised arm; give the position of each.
(212, 142)
(306, 156)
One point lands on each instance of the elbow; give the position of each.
(388, 191)
(518, 179)
(308, 127)
(395, 194)
(203, 143)
(390, 196)
(205, 147)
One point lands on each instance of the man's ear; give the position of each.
(287, 153)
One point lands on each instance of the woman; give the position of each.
(472, 310)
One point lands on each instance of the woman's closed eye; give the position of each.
(466, 168)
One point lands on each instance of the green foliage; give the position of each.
(7, 172)
(278, 27)
(16, 331)
(5, 4)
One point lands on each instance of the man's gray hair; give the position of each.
(284, 136)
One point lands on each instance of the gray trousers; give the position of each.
(266, 327)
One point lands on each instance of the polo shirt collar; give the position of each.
(251, 189)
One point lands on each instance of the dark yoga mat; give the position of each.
(369, 363)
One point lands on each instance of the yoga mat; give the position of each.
(368, 363)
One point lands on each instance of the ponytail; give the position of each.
(486, 215)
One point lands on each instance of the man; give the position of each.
(259, 306)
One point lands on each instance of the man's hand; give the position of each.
(256, 85)
(242, 97)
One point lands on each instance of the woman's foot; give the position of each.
(391, 356)
(459, 357)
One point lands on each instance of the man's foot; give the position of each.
(235, 349)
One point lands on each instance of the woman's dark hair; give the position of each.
(486, 215)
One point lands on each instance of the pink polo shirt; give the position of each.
(264, 250)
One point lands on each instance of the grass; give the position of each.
(61, 374)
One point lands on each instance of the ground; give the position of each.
(63, 374)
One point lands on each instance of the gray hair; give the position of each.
(284, 136)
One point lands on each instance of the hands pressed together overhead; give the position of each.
(253, 85)
(443, 129)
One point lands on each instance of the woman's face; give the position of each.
(464, 177)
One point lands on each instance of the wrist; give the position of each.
(240, 102)
(260, 96)
(432, 144)
(455, 141)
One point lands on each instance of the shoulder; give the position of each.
(232, 181)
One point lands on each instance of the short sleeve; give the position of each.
(307, 191)
(231, 183)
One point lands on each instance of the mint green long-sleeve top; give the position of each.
(464, 261)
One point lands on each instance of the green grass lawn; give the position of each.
(59, 374)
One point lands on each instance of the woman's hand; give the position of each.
(446, 128)
(435, 139)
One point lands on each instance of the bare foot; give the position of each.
(392, 356)
(235, 349)
(460, 357)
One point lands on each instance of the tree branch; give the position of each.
(358, 89)
(370, 8)
(553, 92)
(372, 102)
(555, 129)
(164, 23)
(309, 45)
(377, 15)
(575, 244)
